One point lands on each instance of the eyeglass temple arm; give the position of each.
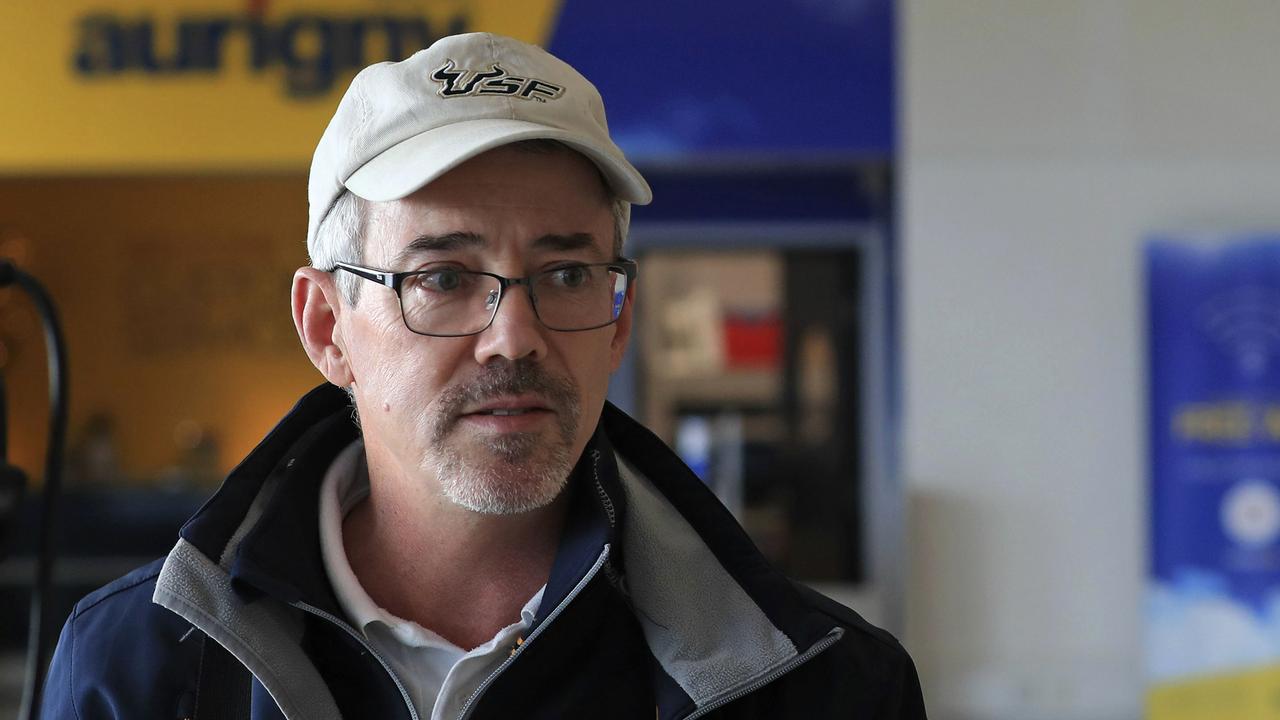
(388, 279)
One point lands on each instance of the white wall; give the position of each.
(1043, 140)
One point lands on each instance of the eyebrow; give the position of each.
(438, 243)
(461, 240)
(565, 243)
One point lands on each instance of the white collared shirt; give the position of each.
(438, 675)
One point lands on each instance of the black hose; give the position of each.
(37, 635)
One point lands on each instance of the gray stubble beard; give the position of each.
(516, 480)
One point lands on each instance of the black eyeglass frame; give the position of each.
(395, 281)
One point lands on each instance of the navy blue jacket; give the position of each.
(657, 600)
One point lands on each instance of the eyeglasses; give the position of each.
(452, 302)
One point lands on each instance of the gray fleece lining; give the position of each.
(263, 635)
(704, 629)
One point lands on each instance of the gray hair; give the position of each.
(340, 236)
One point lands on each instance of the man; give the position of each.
(490, 539)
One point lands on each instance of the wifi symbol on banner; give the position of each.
(1245, 323)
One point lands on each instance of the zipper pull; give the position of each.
(514, 648)
(186, 706)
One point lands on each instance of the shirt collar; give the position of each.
(345, 485)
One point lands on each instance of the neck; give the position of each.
(421, 557)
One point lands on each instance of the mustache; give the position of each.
(506, 378)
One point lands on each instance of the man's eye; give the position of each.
(440, 280)
(574, 276)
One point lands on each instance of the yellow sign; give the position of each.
(1246, 695)
(168, 85)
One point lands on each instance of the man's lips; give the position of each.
(508, 407)
(508, 415)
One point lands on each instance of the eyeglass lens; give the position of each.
(458, 302)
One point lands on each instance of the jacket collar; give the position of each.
(715, 614)
(596, 507)
(263, 525)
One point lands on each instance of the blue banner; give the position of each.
(1213, 613)
(776, 77)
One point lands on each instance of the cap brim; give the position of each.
(410, 164)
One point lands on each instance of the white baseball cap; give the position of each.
(403, 124)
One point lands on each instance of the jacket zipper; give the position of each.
(831, 639)
(471, 701)
(404, 694)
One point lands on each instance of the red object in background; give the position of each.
(753, 340)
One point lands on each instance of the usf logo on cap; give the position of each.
(494, 81)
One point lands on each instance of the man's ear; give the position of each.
(315, 315)
(622, 330)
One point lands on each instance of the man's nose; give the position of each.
(515, 332)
